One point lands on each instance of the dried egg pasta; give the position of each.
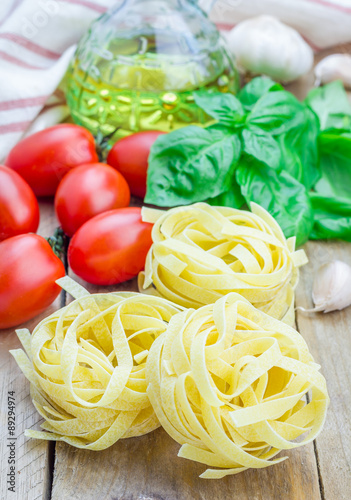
(228, 383)
(86, 365)
(200, 253)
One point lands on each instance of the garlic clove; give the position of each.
(334, 67)
(264, 45)
(332, 287)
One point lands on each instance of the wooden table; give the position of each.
(147, 468)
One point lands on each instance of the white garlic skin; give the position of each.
(265, 46)
(332, 287)
(334, 67)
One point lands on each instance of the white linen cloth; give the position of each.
(38, 39)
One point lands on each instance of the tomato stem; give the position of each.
(102, 144)
(59, 243)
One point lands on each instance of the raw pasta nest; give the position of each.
(86, 364)
(228, 382)
(200, 253)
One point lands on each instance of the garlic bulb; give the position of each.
(334, 67)
(331, 288)
(264, 45)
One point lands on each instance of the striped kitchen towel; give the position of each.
(323, 23)
(38, 39)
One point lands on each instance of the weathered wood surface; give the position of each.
(147, 468)
(33, 457)
(141, 468)
(329, 338)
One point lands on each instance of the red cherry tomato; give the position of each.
(19, 210)
(28, 270)
(111, 247)
(43, 158)
(87, 191)
(130, 157)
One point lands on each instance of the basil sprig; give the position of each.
(291, 157)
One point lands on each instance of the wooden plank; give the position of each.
(329, 337)
(33, 457)
(148, 468)
(127, 286)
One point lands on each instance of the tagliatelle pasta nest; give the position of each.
(200, 253)
(86, 365)
(228, 382)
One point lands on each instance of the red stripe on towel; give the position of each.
(33, 47)
(331, 5)
(90, 5)
(23, 103)
(14, 127)
(17, 62)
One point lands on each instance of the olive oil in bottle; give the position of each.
(139, 64)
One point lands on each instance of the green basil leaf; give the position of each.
(191, 164)
(281, 195)
(232, 198)
(255, 89)
(335, 164)
(332, 217)
(262, 146)
(277, 112)
(225, 108)
(299, 148)
(331, 105)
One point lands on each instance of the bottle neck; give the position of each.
(206, 5)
